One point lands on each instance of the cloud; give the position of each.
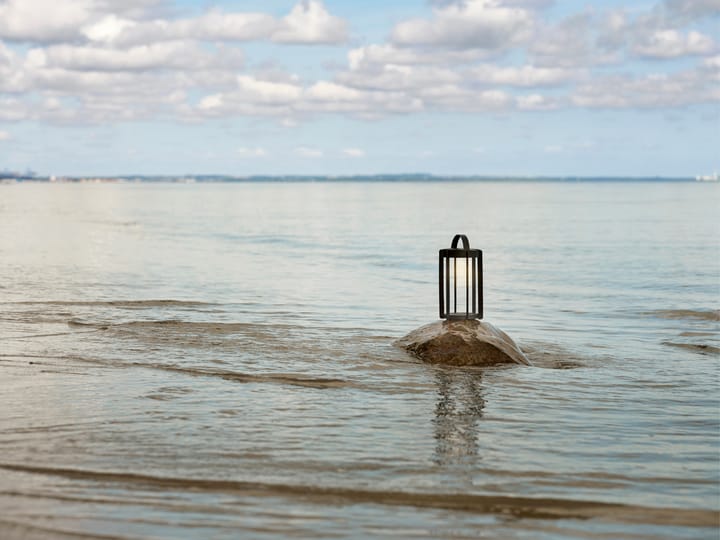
(4, 136)
(376, 56)
(481, 24)
(41, 21)
(657, 90)
(130, 24)
(526, 75)
(215, 25)
(324, 91)
(536, 102)
(307, 152)
(102, 61)
(180, 55)
(459, 98)
(256, 152)
(691, 10)
(255, 96)
(310, 22)
(578, 41)
(396, 77)
(354, 152)
(673, 44)
(12, 109)
(712, 65)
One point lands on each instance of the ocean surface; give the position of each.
(217, 361)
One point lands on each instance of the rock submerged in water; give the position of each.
(463, 343)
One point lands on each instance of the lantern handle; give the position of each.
(465, 241)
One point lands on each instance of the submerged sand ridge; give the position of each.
(463, 343)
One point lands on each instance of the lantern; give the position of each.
(460, 281)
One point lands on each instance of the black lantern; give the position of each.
(461, 281)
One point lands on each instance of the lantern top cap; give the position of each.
(465, 241)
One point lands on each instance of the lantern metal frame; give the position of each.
(473, 280)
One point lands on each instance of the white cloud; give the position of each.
(672, 44)
(711, 68)
(575, 43)
(256, 152)
(12, 109)
(214, 25)
(310, 22)
(260, 91)
(180, 55)
(254, 96)
(536, 102)
(112, 60)
(107, 29)
(212, 102)
(12, 75)
(42, 21)
(458, 98)
(658, 90)
(690, 10)
(397, 77)
(374, 57)
(307, 152)
(354, 152)
(481, 24)
(127, 24)
(4, 136)
(328, 91)
(526, 75)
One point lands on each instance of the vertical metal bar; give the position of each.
(447, 284)
(474, 285)
(467, 286)
(441, 303)
(455, 284)
(480, 270)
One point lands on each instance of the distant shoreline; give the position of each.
(189, 179)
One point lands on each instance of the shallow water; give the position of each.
(212, 360)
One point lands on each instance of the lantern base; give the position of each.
(462, 316)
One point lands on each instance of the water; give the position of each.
(216, 361)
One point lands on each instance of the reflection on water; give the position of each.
(458, 410)
(177, 363)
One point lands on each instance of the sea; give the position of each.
(218, 361)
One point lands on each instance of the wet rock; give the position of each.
(463, 343)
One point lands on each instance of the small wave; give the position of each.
(519, 507)
(708, 315)
(278, 378)
(291, 379)
(228, 375)
(129, 304)
(696, 347)
(54, 334)
(167, 393)
(550, 355)
(78, 322)
(189, 326)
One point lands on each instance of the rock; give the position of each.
(463, 343)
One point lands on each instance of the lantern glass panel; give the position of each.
(461, 284)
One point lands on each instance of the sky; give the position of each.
(341, 87)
